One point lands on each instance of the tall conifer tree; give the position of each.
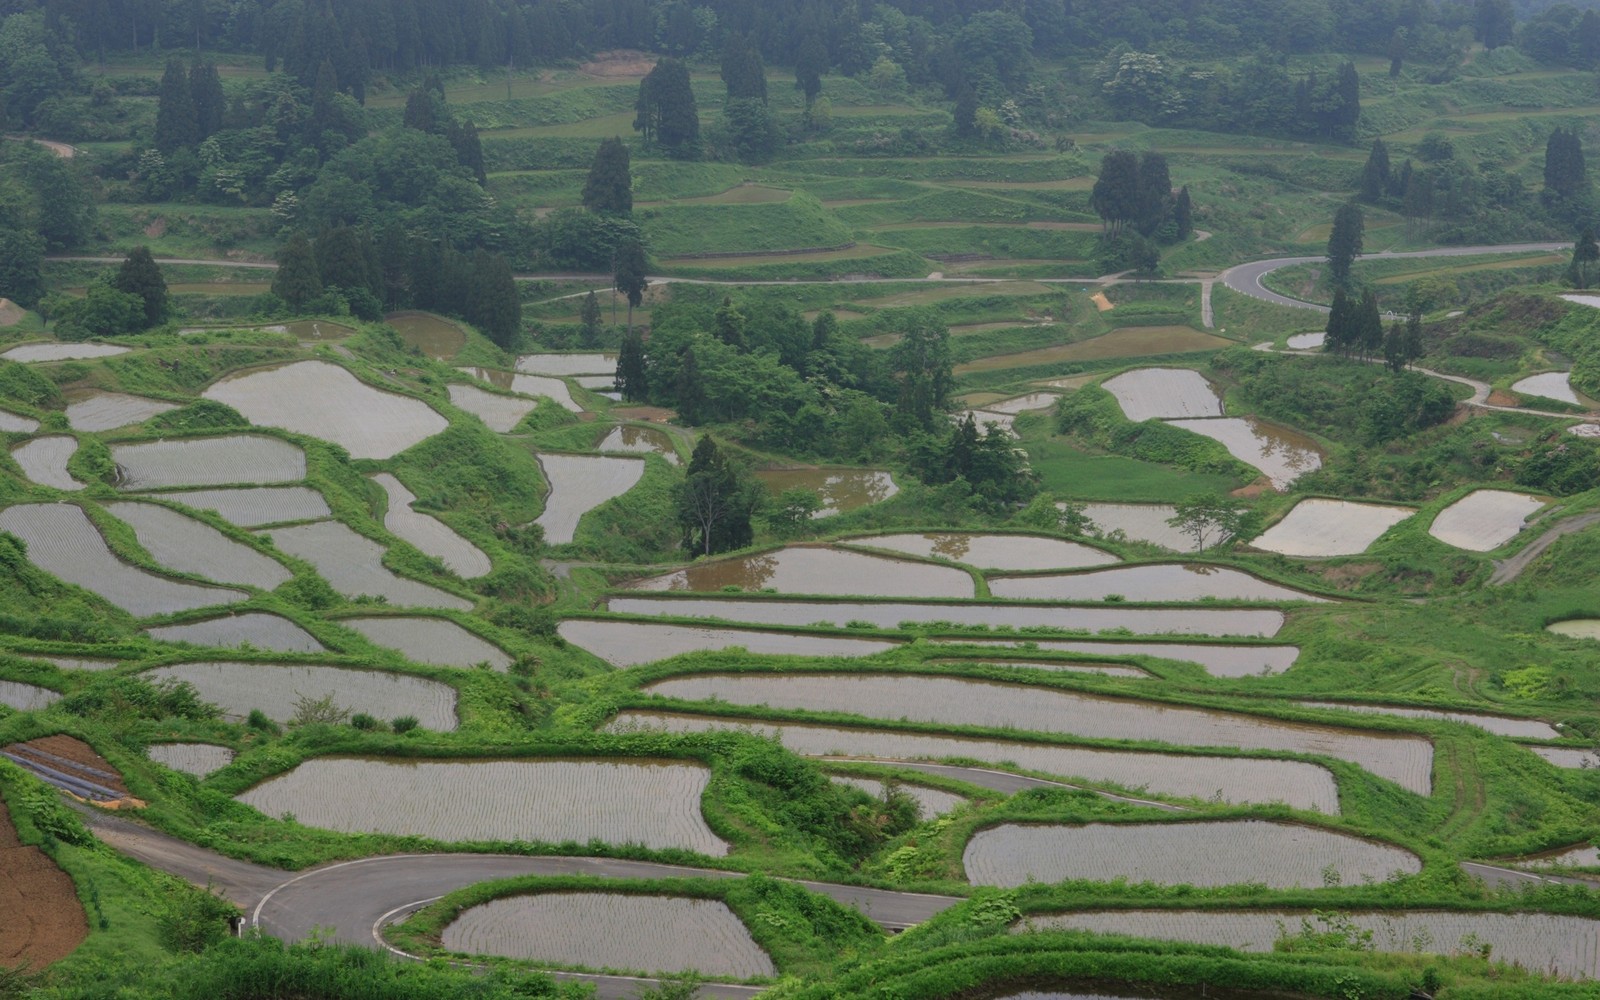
(608, 190)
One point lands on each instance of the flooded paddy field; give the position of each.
(1565, 946)
(1577, 856)
(840, 490)
(1240, 780)
(1500, 725)
(198, 759)
(628, 644)
(1405, 760)
(1568, 756)
(1318, 527)
(991, 552)
(1206, 853)
(888, 614)
(26, 697)
(1550, 385)
(430, 640)
(234, 459)
(528, 385)
(1140, 522)
(61, 352)
(593, 363)
(1484, 520)
(429, 535)
(818, 570)
(275, 688)
(253, 507)
(653, 803)
(63, 541)
(499, 413)
(1152, 583)
(1576, 628)
(579, 484)
(189, 546)
(12, 423)
(354, 566)
(643, 440)
(1161, 393)
(1281, 454)
(322, 400)
(98, 410)
(44, 461)
(1216, 659)
(434, 336)
(260, 630)
(1307, 341)
(1102, 669)
(1022, 404)
(930, 802)
(612, 930)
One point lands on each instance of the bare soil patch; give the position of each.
(10, 313)
(41, 920)
(1501, 398)
(619, 63)
(1101, 302)
(72, 757)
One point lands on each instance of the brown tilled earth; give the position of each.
(10, 313)
(71, 756)
(40, 918)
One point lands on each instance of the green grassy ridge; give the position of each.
(888, 265)
(995, 241)
(799, 222)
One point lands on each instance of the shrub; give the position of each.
(405, 723)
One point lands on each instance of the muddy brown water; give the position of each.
(434, 336)
(233, 459)
(579, 484)
(98, 410)
(354, 566)
(44, 461)
(430, 640)
(277, 689)
(612, 930)
(1406, 760)
(1539, 942)
(653, 803)
(841, 490)
(260, 630)
(1216, 659)
(627, 644)
(997, 552)
(890, 614)
(1153, 583)
(1207, 853)
(182, 543)
(198, 759)
(649, 440)
(1281, 454)
(818, 570)
(1235, 779)
(253, 507)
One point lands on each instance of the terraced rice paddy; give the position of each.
(652, 803)
(1317, 527)
(1022, 404)
(324, 401)
(96, 410)
(189, 546)
(1140, 522)
(609, 930)
(1163, 393)
(890, 614)
(930, 802)
(1280, 855)
(499, 413)
(1567, 756)
(262, 631)
(598, 383)
(1155, 582)
(1576, 628)
(646, 440)
(1539, 942)
(434, 336)
(428, 534)
(61, 352)
(254, 507)
(1306, 341)
(63, 541)
(317, 330)
(1234, 779)
(840, 490)
(198, 759)
(44, 461)
(79, 663)
(568, 364)
(276, 689)
(1065, 666)
(1216, 659)
(1281, 454)
(25, 697)
(579, 484)
(12, 423)
(818, 570)
(956, 701)
(1550, 385)
(1484, 520)
(1500, 725)
(627, 644)
(235, 459)
(528, 385)
(992, 552)
(430, 640)
(354, 566)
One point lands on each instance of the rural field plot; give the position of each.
(236, 459)
(1562, 945)
(261, 630)
(1140, 522)
(1550, 385)
(1568, 756)
(253, 507)
(324, 401)
(61, 352)
(63, 541)
(612, 930)
(1103, 669)
(430, 640)
(1216, 659)
(44, 461)
(1161, 393)
(1500, 725)
(354, 566)
(78, 663)
(25, 697)
(840, 490)
(278, 688)
(41, 919)
(12, 423)
(499, 413)
(434, 336)
(568, 364)
(818, 570)
(1236, 779)
(956, 701)
(1281, 855)
(428, 534)
(1153, 583)
(1576, 628)
(599, 383)
(97, 410)
(528, 385)
(1282, 455)
(653, 803)
(991, 552)
(628, 644)
(930, 802)
(889, 614)
(1484, 520)
(198, 759)
(1318, 527)
(189, 546)
(1306, 341)
(579, 484)
(1022, 404)
(643, 440)
(1579, 856)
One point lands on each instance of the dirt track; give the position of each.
(40, 917)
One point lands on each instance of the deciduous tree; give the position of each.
(1211, 518)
